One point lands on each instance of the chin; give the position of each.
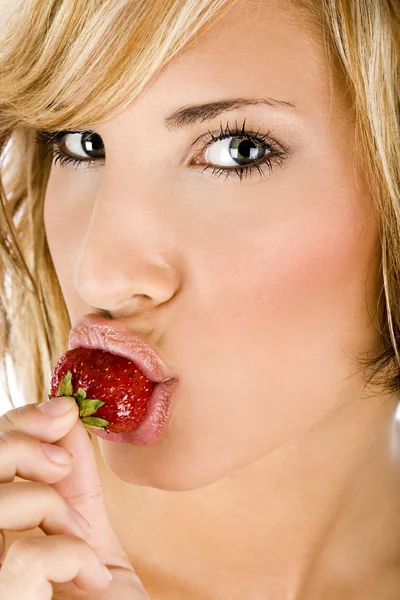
(157, 466)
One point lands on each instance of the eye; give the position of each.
(235, 152)
(240, 152)
(81, 148)
(84, 144)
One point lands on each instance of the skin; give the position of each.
(260, 295)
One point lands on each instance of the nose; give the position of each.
(126, 254)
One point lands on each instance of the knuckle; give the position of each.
(18, 418)
(6, 421)
(23, 555)
(25, 545)
(10, 439)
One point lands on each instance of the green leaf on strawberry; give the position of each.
(87, 406)
(65, 387)
(95, 422)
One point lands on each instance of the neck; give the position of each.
(309, 521)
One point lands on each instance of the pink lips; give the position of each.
(92, 331)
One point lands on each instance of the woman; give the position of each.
(220, 178)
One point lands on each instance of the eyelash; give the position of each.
(278, 153)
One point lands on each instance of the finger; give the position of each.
(26, 505)
(32, 563)
(81, 485)
(45, 427)
(83, 489)
(24, 456)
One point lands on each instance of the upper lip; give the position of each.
(93, 331)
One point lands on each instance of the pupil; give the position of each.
(245, 151)
(92, 143)
(245, 148)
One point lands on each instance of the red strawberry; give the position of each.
(111, 391)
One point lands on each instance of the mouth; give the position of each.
(92, 331)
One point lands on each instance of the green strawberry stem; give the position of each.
(87, 406)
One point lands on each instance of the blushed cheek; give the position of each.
(303, 284)
(320, 256)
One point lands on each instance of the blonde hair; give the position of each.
(65, 64)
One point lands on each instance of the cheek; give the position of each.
(306, 279)
(315, 258)
(291, 315)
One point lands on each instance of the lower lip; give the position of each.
(155, 423)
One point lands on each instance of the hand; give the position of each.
(66, 562)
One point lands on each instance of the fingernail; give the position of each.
(57, 454)
(83, 524)
(57, 406)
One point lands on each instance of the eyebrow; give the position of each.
(197, 113)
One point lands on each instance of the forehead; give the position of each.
(257, 49)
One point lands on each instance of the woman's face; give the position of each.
(254, 289)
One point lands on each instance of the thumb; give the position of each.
(83, 490)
